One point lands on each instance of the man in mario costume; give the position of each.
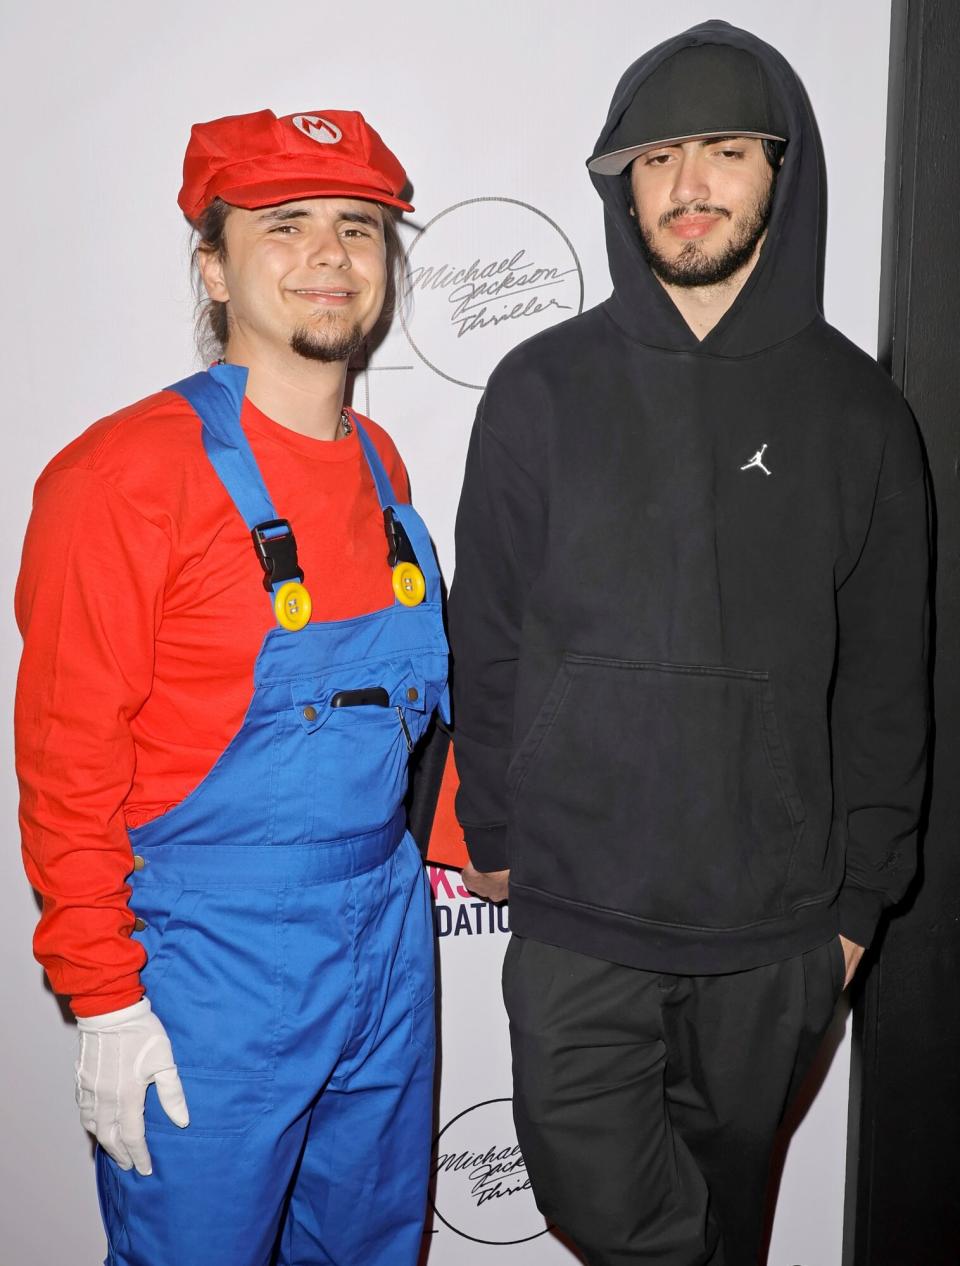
(213, 738)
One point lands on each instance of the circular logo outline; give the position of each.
(517, 202)
(432, 1195)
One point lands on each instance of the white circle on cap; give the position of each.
(318, 129)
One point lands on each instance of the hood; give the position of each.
(782, 294)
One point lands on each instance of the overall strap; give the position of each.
(385, 493)
(413, 525)
(216, 396)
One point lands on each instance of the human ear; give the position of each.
(210, 263)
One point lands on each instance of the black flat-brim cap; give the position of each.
(702, 91)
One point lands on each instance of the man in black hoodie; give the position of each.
(689, 624)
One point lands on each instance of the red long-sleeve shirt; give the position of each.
(142, 610)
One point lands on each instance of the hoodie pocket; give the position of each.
(662, 791)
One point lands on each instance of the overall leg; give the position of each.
(359, 1198)
(214, 1199)
(222, 981)
(737, 1045)
(588, 1059)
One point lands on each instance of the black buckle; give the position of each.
(276, 548)
(398, 543)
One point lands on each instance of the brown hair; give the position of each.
(212, 322)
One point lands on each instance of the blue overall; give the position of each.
(289, 942)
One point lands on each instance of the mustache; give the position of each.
(695, 208)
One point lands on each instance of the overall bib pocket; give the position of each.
(674, 776)
(339, 726)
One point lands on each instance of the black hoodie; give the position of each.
(691, 704)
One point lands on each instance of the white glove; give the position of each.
(121, 1053)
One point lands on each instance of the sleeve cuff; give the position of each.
(487, 846)
(86, 1004)
(858, 913)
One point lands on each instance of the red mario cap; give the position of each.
(258, 160)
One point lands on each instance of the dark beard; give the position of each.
(694, 268)
(326, 345)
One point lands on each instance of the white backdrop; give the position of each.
(492, 110)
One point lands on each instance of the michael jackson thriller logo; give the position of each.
(483, 275)
(481, 1189)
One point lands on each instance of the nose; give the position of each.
(690, 182)
(327, 248)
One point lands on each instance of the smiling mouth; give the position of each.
(325, 294)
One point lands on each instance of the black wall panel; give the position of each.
(903, 1187)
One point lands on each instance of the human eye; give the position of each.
(360, 227)
(729, 153)
(657, 160)
(284, 230)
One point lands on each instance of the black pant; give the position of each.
(646, 1104)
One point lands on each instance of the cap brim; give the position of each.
(271, 193)
(612, 164)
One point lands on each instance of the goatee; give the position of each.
(693, 267)
(326, 345)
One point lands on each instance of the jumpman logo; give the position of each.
(757, 460)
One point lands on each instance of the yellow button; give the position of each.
(138, 925)
(409, 584)
(413, 694)
(310, 713)
(138, 862)
(293, 605)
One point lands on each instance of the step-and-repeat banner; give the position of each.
(492, 110)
